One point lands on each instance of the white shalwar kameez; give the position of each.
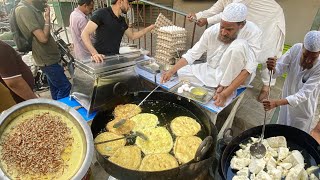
(268, 16)
(301, 89)
(224, 61)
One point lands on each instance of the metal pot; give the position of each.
(46, 104)
(296, 140)
(159, 103)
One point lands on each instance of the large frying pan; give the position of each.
(166, 106)
(296, 140)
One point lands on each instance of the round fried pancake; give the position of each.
(123, 129)
(128, 157)
(109, 148)
(144, 121)
(159, 141)
(186, 147)
(184, 126)
(158, 162)
(126, 110)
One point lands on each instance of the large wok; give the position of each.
(166, 106)
(296, 140)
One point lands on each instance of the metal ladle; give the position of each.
(258, 150)
(136, 134)
(122, 121)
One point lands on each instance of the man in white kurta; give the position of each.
(224, 60)
(302, 86)
(268, 16)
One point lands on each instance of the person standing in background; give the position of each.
(78, 21)
(32, 23)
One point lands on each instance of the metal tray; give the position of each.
(188, 95)
(149, 66)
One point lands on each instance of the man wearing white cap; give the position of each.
(231, 45)
(268, 16)
(302, 86)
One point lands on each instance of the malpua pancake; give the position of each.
(158, 162)
(128, 157)
(144, 121)
(107, 149)
(186, 147)
(123, 129)
(184, 126)
(126, 110)
(159, 141)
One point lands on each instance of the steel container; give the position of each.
(47, 104)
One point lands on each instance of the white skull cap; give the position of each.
(234, 12)
(312, 41)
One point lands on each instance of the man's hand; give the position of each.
(152, 26)
(202, 22)
(191, 17)
(166, 76)
(269, 104)
(97, 58)
(219, 98)
(271, 63)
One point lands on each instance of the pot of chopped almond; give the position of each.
(44, 139)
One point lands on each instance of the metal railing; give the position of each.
(145, 13)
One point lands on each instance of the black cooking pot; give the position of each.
(296, 140)
(166, 106)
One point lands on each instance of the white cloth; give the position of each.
(268, 16)
(224, 61)
(312, 41)
(301, 89)
(235, 12)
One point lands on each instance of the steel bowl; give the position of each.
(198, 92)
(47, 104)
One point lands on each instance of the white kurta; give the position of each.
(224, 61)
(301, 89)
(267, 15)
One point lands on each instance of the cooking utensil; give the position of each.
(122, 121)
(133, 135)
(257, 149)
(166, 106)
(72, 115)
(296, 140)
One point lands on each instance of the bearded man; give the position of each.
(231, 45)
(301, 88)
(109, 26)
(33, 19)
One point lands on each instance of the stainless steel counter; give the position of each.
(96, 84)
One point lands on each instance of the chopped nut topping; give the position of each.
(35, 146)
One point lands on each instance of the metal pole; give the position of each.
(64, 27)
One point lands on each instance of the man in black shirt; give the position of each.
(109, 26)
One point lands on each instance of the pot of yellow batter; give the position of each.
(44, 139)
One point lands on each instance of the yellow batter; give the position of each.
(185, 148)
(184, 126)
(144, 121)
(159, 141)
(127, 157)
(107, 149)
(73, 155)
(158, 162)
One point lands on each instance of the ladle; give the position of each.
(133, 135)
(122, 121)
(258, 150)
